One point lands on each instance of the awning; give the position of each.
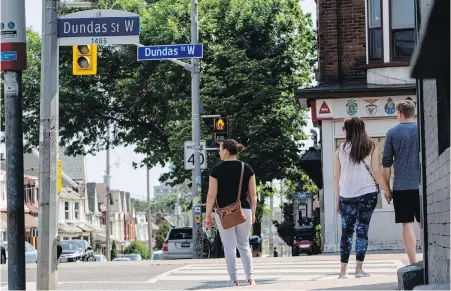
(310, 163)
(30, 221)
(432, 53)
(68, 228)
(85, 226)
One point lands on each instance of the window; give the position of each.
(66, 210)
(77, 210)
(402, 28)
(374, 30)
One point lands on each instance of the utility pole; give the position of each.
(107, 182)
(196, 183)
(14, 60)
(47, 273)
(149, 216)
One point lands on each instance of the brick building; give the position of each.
(364, 51)
(431, 66)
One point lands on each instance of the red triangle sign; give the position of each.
(324, 109)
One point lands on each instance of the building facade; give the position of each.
(364, 50)
(431, 67)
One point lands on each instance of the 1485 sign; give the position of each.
(189, 155)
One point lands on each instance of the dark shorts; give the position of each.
(407, 205)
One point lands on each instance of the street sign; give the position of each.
(189, 155)
(164, 52)
(101, 27)
(8, 56)
(302, 195)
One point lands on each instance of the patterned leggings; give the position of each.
(357, 209)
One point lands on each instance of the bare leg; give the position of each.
(343, 270)
(410, 241)
(419, 231)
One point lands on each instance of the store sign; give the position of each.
(366, 107)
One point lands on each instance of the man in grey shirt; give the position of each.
(401, 150)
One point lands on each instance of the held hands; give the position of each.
(388, 196)
(208, 221)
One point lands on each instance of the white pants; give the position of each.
(237, 237)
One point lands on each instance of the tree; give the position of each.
(92, 240)
(140, 204)
(113, 251)
(137, 247)
(160, 237)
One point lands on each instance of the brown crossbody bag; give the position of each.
(232, 214)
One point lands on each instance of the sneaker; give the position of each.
(343, 276)
(251, 282)
(234, 283)
(361, 274)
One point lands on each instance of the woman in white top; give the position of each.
(356, 169)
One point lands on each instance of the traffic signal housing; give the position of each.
(84, 61)
(219, 130)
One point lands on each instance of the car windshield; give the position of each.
(72, 245)
(181, 233)
(133, 257)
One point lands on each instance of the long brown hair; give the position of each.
(356, 137)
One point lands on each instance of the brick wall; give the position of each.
(438, 192)
(352, 34)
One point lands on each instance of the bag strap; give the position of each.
(239, 187)
(241, 182)
(372, 176)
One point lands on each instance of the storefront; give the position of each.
(379, 113)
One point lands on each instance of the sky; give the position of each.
(124, 176)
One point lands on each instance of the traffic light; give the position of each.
(84, 61)
(219, 130)
(60, 176)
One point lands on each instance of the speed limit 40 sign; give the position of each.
(189, 155)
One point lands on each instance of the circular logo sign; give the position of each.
(351, 107)
(11, 25)
(2, 25)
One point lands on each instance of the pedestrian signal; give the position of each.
(84, 61)
(219, 131)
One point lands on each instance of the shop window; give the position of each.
(443, 111)
(402, 28)
(375, 30)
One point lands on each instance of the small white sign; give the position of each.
(189, 155)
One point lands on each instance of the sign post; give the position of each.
(13, 61)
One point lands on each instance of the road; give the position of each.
(307, 273)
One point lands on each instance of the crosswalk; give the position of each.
(282, 271)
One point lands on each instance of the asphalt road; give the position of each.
(273, 273)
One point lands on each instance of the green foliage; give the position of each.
(140, 204)
(161, 234)
(113, 251)
(137, 247)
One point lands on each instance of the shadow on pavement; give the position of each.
(222, 285)
(378, 286)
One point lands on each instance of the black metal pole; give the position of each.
(14, 180)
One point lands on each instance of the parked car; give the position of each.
(133, 257)
(100, 258)
(121, 259)
(157, 255)
(76, 250)
(179, 244)
(31, 254)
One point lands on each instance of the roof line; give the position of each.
(65, 176)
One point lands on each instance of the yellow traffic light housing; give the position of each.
(84, 61)
(60, 176)
(219, 130)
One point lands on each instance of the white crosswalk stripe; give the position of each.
(280, 271)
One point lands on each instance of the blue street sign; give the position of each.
(98, 27)
(102, 27)
(302, 195)
(9, 56)
(164, 52)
